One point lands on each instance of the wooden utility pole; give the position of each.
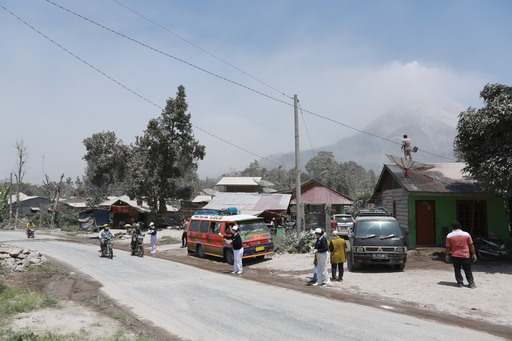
(297, 166)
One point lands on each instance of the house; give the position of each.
(31, 204)
(74, 203)
(246, 184)
(425, 201)
(257, 204)
(315, 196)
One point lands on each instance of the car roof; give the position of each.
(384, 218)
(342, 215)
(225, 218)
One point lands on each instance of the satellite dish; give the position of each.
(407, 164)
(264, 183)
(209, 191)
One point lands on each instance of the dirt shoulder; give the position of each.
(83, 312)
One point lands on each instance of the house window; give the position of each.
(472, 215)
(394, 208)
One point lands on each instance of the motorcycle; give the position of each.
(492, 248)
(30, 233)
(138, 250)
(107, 250)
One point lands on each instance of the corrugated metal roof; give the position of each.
(202, 198)
(23, 197)
(441, 178)
(315, 193)
(126, 199)
(249, 203)
(239, 181)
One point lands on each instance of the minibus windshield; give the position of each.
(252, 226)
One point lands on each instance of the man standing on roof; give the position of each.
(460, 245)
(152, 232)
(238, 249)
(406, 147)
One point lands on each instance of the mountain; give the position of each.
(429, 127)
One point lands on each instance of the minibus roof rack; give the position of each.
(227, 211)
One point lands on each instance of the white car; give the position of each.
(345, 223)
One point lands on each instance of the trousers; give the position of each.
(322, 275)
(336, 266)
(237, 264)
(153, 243)
(465, 264)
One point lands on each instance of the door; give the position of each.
(425, 222)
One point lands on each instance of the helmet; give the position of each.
(151, 224)
(235, 228)
(318, 230)
(105, 226)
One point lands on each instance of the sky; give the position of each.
(348, 60)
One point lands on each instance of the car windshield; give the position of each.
(252, 226)
(343, 219)
(378, 228)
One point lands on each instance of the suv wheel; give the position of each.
(351, 265)
(399, 267)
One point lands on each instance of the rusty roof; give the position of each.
(440, 178)
(315, 193)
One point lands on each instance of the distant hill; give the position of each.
(429, 127)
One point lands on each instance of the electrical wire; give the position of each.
(234, 82)
(313, 152)
(129, 89)
(202, 49)
(169, 55)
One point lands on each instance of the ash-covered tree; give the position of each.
(107, 158)
(484, 140)
(325, 169)
(164, 160)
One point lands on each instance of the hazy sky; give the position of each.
(349, 60)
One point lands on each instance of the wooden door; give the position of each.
(425, 222)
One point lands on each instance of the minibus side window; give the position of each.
(194, 227)
(203, 228)
(212, 226)
(216, 229)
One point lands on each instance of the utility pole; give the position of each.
(297, 166)
(10, 202)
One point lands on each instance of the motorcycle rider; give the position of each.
(30, 228)
(104, 234)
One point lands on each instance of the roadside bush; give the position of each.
(291, 244)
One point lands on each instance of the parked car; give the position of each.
(377, 239)
(345, 223)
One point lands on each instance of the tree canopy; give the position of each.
(164, 159)
(484, 140)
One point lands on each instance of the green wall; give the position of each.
(445, 210)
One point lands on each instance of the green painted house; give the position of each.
(426, 200)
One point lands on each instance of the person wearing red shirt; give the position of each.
(460, 245)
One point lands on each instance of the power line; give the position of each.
(169, 55)
(232, 81)
(202, 49)
(128, 89)
(307, 132)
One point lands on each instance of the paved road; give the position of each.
(202, 305)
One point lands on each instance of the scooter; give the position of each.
(492, 248)
(30, 233)
(107, 249)
(138, 250)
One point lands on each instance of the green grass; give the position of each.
(47, 267)
(70, 228)
(169, 240)
(14, 301)
(27, 335)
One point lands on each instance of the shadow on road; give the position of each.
(448, 284)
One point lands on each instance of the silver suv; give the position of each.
(345, 223)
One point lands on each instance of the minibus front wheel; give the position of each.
(228, 256)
